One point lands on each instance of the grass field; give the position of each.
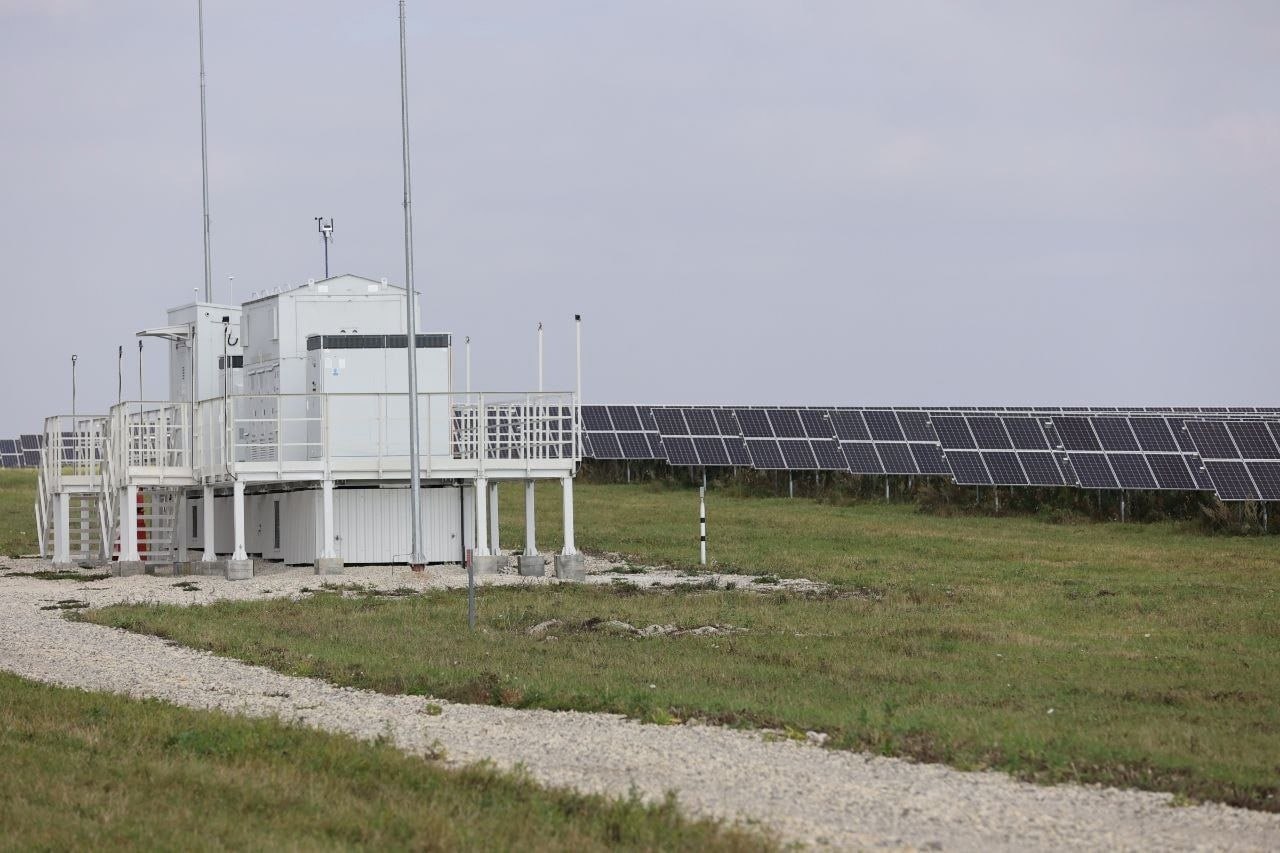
(87, 770)
(1143, 656)
(17, 518)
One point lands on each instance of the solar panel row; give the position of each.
(1087, 447)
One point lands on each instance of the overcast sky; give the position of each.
(809, 202)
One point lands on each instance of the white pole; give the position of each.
(416, 560)
(577, 399)
(204, 161)
(566, 488)
(237, 520)
(530, 533)
(129, 525)
(327, 550)
(481, 491)
(702, 520)
(210, 540)
(468, 347)
(539, 358)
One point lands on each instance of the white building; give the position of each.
(285, 439)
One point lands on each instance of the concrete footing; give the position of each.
(487, 564)
(239, 570)
(329, 565)
(162, 570)
(129, 568)
(532, 566)
(571, 567)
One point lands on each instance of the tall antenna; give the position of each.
(326, 234)
(204, 161)
(416, 560)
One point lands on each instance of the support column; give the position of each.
(531, 562)
(210, 531)
(182, 528)
(483, 561)
(130, 562)
(570, 565)
(328, 563)
(494, 545)
(61, 528)
(239, 567)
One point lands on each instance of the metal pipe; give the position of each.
(577, 399)
(416, 560)
(702, 520)
(204, 160)
(468, 348)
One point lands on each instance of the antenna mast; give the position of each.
(204, 161)
(326, 234)
(416, 558)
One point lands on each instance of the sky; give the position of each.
(749, 201)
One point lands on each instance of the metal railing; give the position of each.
(73, 447)
(370, 431)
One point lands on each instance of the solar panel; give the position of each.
(596, 419)
(1154, 434)
(827, 453)
(929, 459)
(1231, 480)
(1114, 433)
(849, 425)
(1131, 471)
(897, 458)
(711, 451)
(786, 423)
(1075, 433)
(1170, 471)
(31, 459)
(625, 418)
(754, 423)
(798, 455)
(1041, 468)
(670, 422)
(883, 425)
(817, 423)
(727, 422)
(967, 467)
(679, 450)
(739, 456)
(765, 454)
(916, 426)
(700, 421)
(31, 442)
(1266, 476)
(1253, 439)
(953, 432)
(989, 433)
(655, 445)
(634, 445)
(1212, 440)
(1026, 433)
(605, 446)
(1092, 470)
(862, 457)
(1004, 468)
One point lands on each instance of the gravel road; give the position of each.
(803, 792)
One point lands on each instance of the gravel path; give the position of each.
(803, 792)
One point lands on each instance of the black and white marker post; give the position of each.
(702, 519)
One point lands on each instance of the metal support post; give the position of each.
(181, 528)
(570, 565)
(328, 562)
(210, 532)
(791, 485)
(886, 489)
(62, 528)
(237, 520)
(1122, 507)
(129, 525)
(530, 520)
(481, 493)
(566, 486)
(494, 547)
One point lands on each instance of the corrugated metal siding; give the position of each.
(372, 524)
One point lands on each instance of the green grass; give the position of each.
(92, 771)
(17, 513)
(945, 639)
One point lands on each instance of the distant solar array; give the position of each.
(20, 452)
(1233, 452)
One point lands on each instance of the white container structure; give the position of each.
(285, 438)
